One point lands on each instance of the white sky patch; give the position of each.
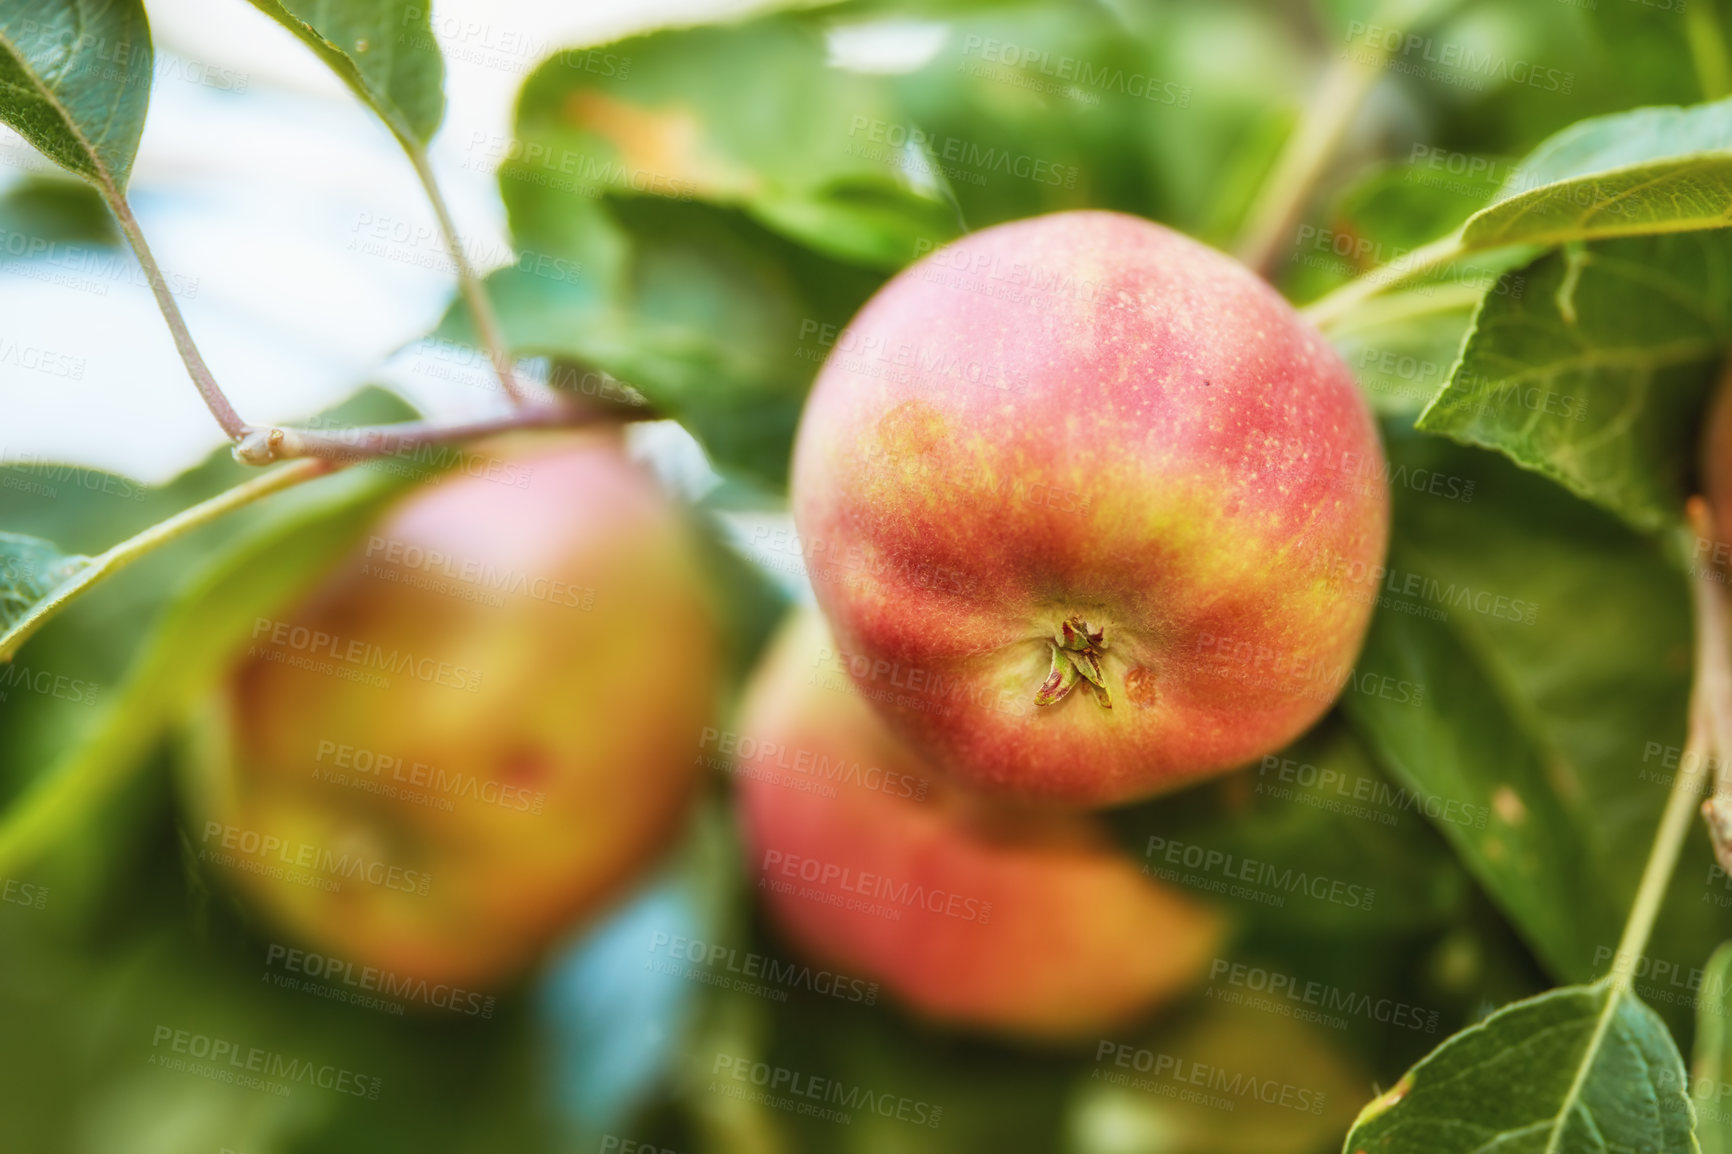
(886, 47)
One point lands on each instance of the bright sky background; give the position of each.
(263, 204)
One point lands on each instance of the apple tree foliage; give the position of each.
(1521, 248)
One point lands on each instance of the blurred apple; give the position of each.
(1021, 922)
(480, 728)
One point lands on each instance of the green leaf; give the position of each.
(1403, 345)
(75, 82)
(1532, 867)
(1092, 121)
(1592, 368)
(31, 569)
(84, 574)
(1578, 1070)
(383, 49)
(1553, 643)
(1710, 1071)
(1654, 170)
(290, 546)
(747, 115)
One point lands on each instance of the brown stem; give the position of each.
(263, 444)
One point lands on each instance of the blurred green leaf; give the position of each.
(382, 49)
(1595, 371)
(55, 209)
(1577, 1069)
(106, 1040)
(1408, 204)
(1391, 212)
(1311, 863)
(1710, 1073)
(75, 82)
(1676, 44)
(1223, 1079)
(1025, 109)
(747, 115)
(891, 1083)
(718, 322)
(1496, 78)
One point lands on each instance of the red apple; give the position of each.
(1022, 922)
(1092, 510)
(480, 727)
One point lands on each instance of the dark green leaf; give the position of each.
(1591, 366)
(383, 49)
(1532, 867)
(75, 81)
(1553, 644)
(1576, 1070)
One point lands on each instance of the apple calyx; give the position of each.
(1076, 656)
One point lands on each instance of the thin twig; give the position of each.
(1410, 304)
(1346, 82)
(214, 397)
(264, 444)
(474, 291)
(1326, 309)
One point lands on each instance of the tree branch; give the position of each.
(264, 444)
